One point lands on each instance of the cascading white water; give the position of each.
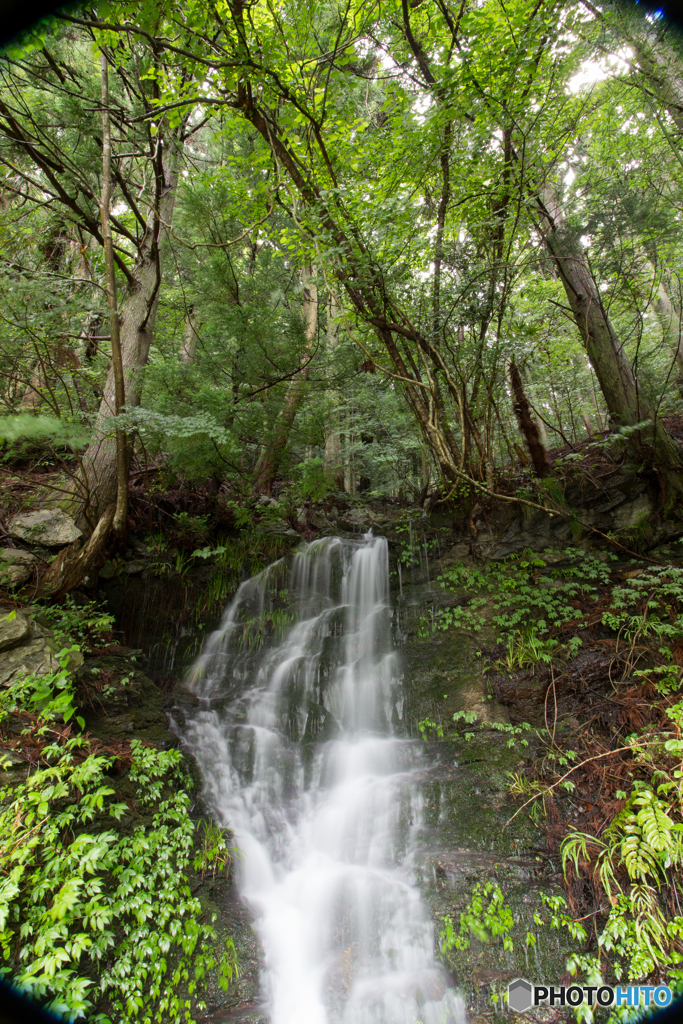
(302, 762)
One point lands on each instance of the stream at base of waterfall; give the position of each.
(297, 736)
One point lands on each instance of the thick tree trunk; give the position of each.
(271, 456)
(626, 406)
(74, 564)
(137, 317)
(617, 383)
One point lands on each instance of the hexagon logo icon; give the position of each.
(520, 994)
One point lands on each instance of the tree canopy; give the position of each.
(389, 247)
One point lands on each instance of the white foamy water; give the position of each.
(301, 761)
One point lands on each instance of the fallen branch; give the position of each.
(596, 757)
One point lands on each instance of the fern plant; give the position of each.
(630, 867)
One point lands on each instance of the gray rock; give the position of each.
(133, 568)
(48, 526)
(27, 648)
(320, 522)
(268, 526)
(38, 657)
(110, 569)
(632, 513)
(13, 631)
(357, 519)
(15, 564)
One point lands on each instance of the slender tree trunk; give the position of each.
(119, 522)
(332, 461)
(670, 322)
(527, 424)
(271, 456)
(189, 349)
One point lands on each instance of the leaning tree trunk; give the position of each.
(271, 456)
(137, 317)
(627, 407)
(615, 376)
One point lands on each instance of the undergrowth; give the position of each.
(609, 793)
(96, 914)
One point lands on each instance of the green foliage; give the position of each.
(86, 910)
(646, 842)
(527, 597)
(91, 913)
(428, 728)
(312, 483)
(26, 426)
(82, 623)
(213, 852)
(487, 918)
(649, 605)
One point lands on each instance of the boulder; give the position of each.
(14, 630)
(111, 569)
(27, 648)
(48, 526)
(16, 565)
(356, 520)
(133, 568)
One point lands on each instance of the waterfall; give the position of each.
(296, 743)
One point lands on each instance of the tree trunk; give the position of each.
(615, 377)
(74, 565)
(527, 424)
(670, 322)
(271, 456)
(189, 349)
(618, 385)
(332, 460)
(119, 523)
(137, 319)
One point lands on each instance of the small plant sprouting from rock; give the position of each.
(213, 853)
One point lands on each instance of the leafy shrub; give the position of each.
(91, 913)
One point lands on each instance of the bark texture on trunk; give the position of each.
(615, 376)
(189, 349)
(137, 317)
(627, 407)
(527, 424)
(74, 564)
(333, 460)
(116, 360)
(670, 322)
(271, 456)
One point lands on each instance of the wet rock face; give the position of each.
(470, 839)
(27, 648)
(119, 701)
(50, 527)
